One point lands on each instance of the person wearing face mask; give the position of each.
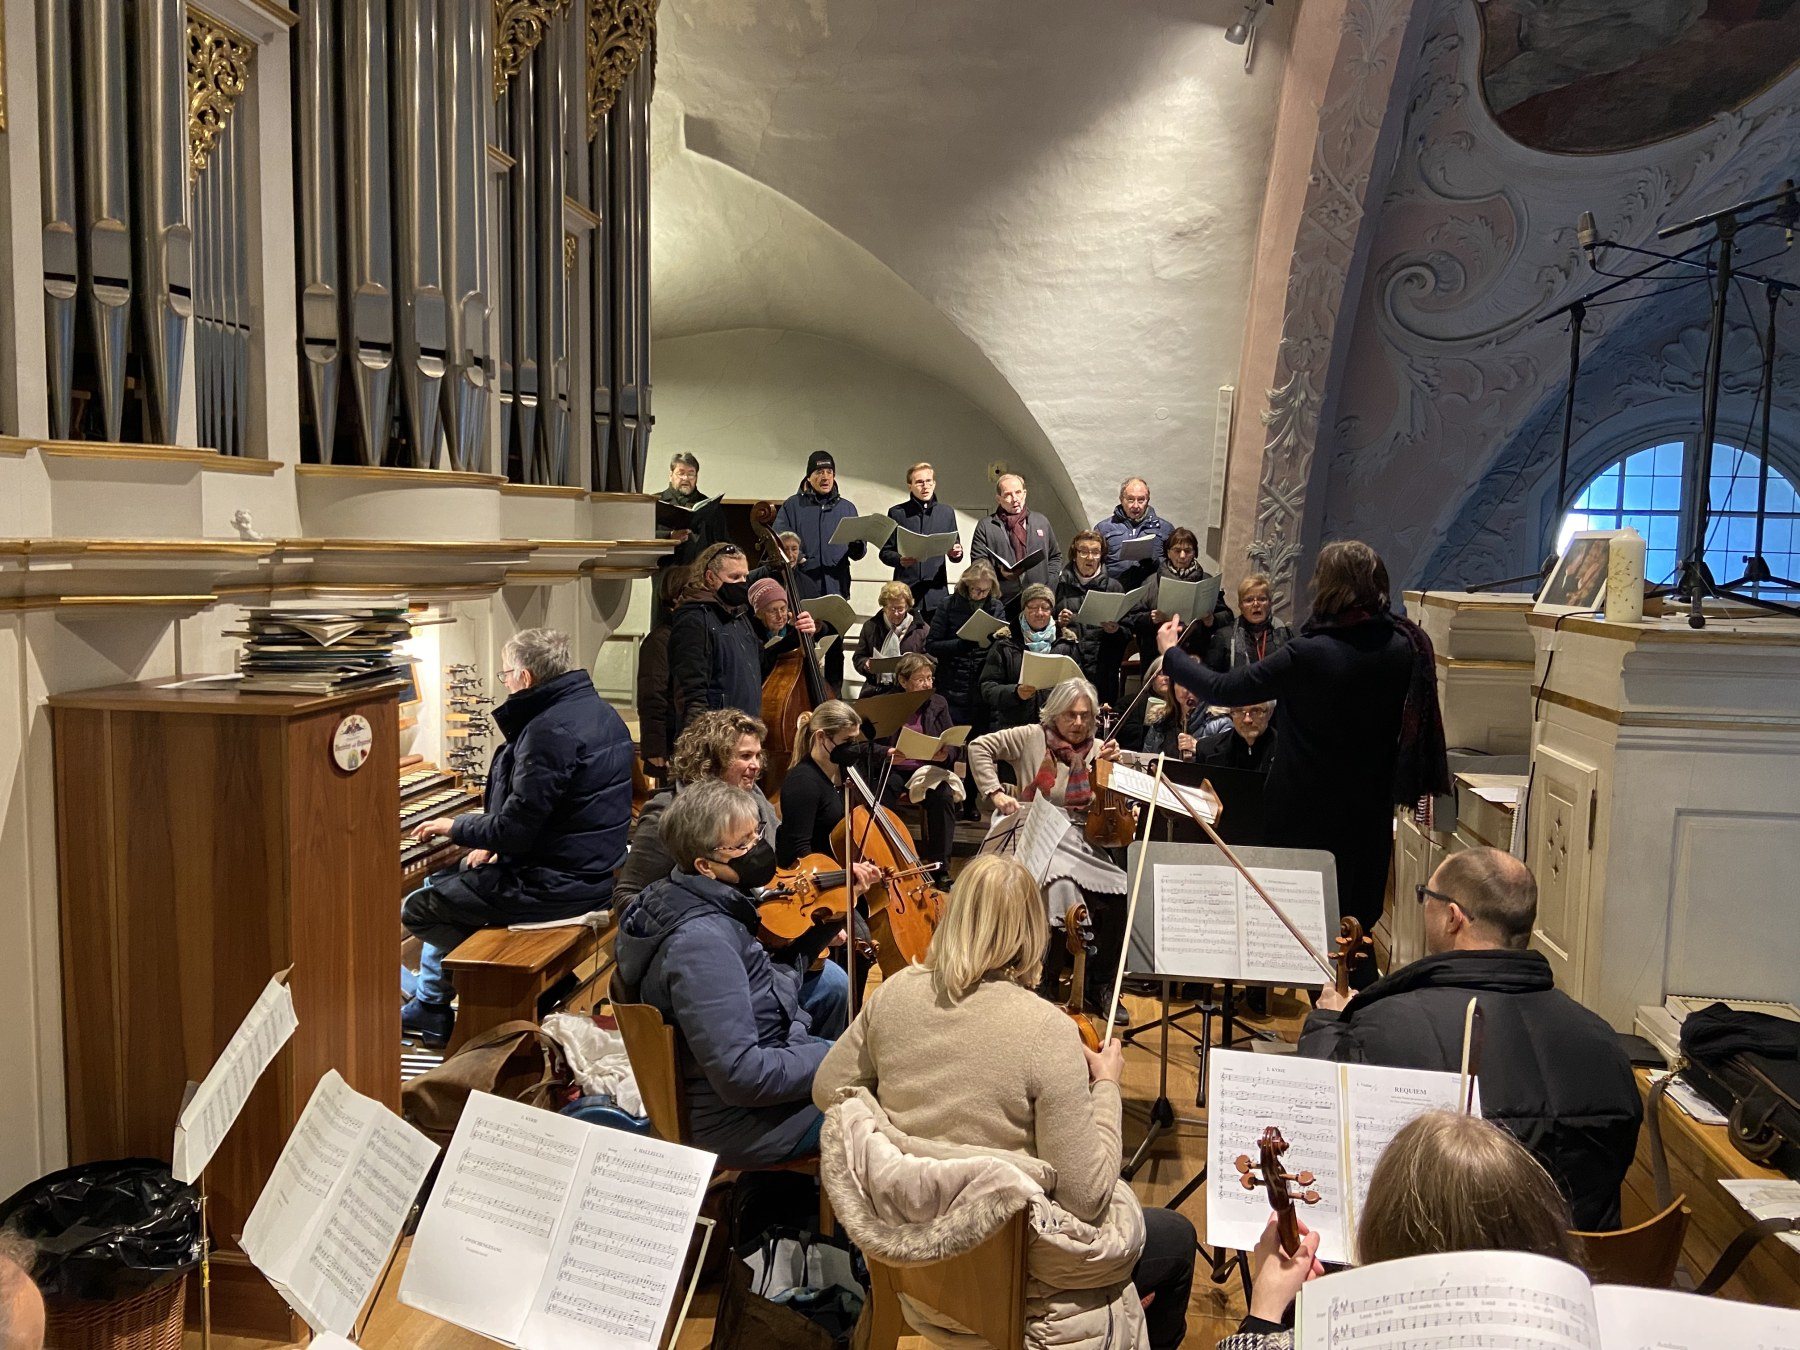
(893, 630)
(1133, 518)
(1181, 560)
(1255, 634)
(754, 1025)
(829, 739)
(1010, 703)
(715, 657)
(1012, 533)
(551, 831)
(724, 746)
(923, 513)
(812, 514)
(1248, 743)
(1102, 645)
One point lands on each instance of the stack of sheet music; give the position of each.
(321, 651)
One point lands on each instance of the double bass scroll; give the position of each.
(796, 685)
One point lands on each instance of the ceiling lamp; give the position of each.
(1240, 32)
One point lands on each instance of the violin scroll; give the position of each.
(1283, 1187)
(1351, 946)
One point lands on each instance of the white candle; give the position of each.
(1625, 578)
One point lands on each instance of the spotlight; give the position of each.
(1239, 33)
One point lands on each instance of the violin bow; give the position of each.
(1144, 688)
(1137, 882)
(1471, 1057)
(1193, 809)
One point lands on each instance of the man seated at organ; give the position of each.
(1552, 1072)
(553, 828)
(754, 1025)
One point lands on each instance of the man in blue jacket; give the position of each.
(923, 513)
(813, 513)
(1133, 518)
(554, 827)
(754, 1026)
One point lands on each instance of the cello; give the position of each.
(914, 905)
(796, 685)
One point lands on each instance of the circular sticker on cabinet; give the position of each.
(351, 741)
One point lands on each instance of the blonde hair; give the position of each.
(912, 469)
(993, 926)
(709, 742)
(831, 716)
(912, 663)
(979, 569)
(1254, 579)
(1454, 1183)
(895, 590)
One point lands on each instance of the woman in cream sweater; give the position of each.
(959, 1051)
(1055, 758)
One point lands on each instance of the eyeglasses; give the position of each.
(739, 850)
(509, 670)
(1422, 890)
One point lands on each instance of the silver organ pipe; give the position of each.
(550, 464)
(424, 322)
(506, 292)
(316, 180)
(368, 240)
(57, 152)
(526, 265)
(165, 240)
(233, 222)
(465, 125)
(600, 288)
(105, 197)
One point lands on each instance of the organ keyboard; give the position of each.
(427, 792)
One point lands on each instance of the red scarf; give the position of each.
(1015, 530)
(1077, 792)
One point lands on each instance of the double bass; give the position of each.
(796, 685)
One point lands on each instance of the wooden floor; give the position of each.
(1214, 1311)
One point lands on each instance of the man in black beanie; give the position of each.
(813, 513)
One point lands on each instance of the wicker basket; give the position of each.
(151, 1320)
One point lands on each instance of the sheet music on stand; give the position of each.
(1030, 834)
(325, 1225)
(210, 1111)
(1206, 923)
(548, 1233)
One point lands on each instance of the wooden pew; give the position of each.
(503, 976)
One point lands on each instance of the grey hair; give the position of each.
(542, 651)
(701, 816)
(1135, 478)
(18, 1254)
(1062, 697)
(682, 457)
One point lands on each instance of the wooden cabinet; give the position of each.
(207, 839)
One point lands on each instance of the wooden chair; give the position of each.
(1644, 1255)
(650, 1045)
(983, 1289)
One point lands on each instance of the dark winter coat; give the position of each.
(1069, 591)
(1552, 1072)
(655, 699)
(991, 541)
(1338, 695)
(1116, 529)
(874, 632)
(1229, 750)
(558, 807)
(959, 660)
(688, 948)
(814, 518)
(928, 579)
(1233, 644)
(715, 661)
(1000, 678)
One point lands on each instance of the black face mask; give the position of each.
(756, 868)
(734, 592)
(848, 755)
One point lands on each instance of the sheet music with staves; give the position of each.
(547, 1232)
(1336, 1118)
(325, 1224)
(209, 1114)
(1211, 925)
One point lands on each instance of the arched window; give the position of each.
(1642, 491)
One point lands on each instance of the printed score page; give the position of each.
(1377, 1103)
(1246, 1093)
(1665, 1319)
(1270, 953)
(1196, 921)
(485, 1238)
(1463, 1301)
(616, 1262)
(209, 1114)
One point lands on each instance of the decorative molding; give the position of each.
(619, 32)
(519, 26)
(571, 251)
(218, 70)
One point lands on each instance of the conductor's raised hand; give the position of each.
(1168, 635)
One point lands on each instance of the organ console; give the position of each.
(427, 792)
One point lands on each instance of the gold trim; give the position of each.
(398, 477)
(190, 547)
(619, 33)
(571, 251)
(519, 27)
(584, 214)
(1467, 663)
(40, 602)
(16, 446)
(3, 81)
(621, 496)
(1721, 629)
(1471, 600)
(1657, 720)
(163, 454)
(499, 161)
(410, 545)
(542, 490)
(539, 578)
(218, 72)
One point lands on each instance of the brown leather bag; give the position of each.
(514, 1060)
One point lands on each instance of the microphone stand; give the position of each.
(1756, 567)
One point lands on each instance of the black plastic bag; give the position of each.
(107, 1230)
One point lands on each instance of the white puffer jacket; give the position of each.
(908, 1201)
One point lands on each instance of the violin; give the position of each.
(1352, 945)
(813, 893)
(796, 685)
(1112, 817)
(914, 905)
(1075, 924)
(1281, 1185)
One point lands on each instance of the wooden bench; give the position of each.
(503, 976)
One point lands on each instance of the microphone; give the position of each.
(1586, 233)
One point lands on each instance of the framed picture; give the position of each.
(1579, 581)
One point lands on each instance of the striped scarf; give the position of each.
(1078, 792)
